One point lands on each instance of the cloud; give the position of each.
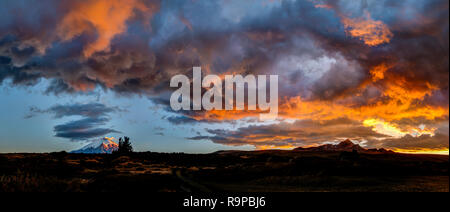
(91, 110)
(94, 115)
(83, 129)
(372, 32)
(312, 133)
(139, 48)
(327, 76)
(181, 120)
(423, 143)
(290, 135)
(357, 60)
(105, 18)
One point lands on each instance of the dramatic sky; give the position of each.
(75, 71)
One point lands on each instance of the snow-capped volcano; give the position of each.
(103, 146)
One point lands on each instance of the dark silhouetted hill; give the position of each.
(344, 146)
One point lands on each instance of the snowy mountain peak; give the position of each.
(104, 145)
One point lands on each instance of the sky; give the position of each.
(76, 71)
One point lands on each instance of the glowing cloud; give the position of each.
(325, 6)
(442, 151)
(387, 128)
(386, 92)
(106, 18)
(377, 72)
(372, 32)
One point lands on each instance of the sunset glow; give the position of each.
(75, 72)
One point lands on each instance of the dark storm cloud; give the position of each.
(181, 120)
(408, 142)
(91, 110)
(299, 133)
(325, 53)
(143, 59)
(94, 115)
(58, 86)
(83, 129)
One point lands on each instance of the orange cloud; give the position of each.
(325, 6)
(399, 99)
(283, 147)
(377, 72)
(106, 18)
(388, 110)
(390, 129)
(439, 151)
(400, 105)
(372, 32)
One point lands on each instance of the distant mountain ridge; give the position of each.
(104, 146)
(344, 146)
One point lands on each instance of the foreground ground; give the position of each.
(224, 171)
